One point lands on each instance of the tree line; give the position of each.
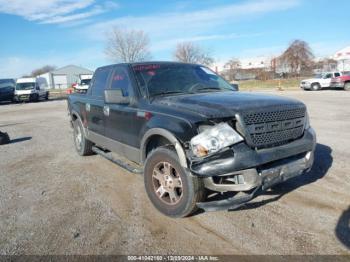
(125, 45)
(129, 45)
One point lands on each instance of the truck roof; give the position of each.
(26, 80)
(150, 63)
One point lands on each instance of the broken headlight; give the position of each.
(212, 139)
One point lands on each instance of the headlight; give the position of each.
(212, 139)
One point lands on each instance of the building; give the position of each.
(256, 63)
(64, 77)
(343, 59)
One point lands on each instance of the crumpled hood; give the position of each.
(225, 104)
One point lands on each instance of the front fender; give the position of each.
(169, 136)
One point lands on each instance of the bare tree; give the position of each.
(189, 52)
(128, 46)
(42, 70)
(298, 57)
(232, 67)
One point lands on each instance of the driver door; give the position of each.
(121, 119)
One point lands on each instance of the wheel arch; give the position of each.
(75, 116)
(158, 136)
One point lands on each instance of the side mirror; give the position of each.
(116, 97)
(235, 86)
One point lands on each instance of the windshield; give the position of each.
(166, 79)
(85, 82)
(4, 84)
(318, 76)
(25, 86)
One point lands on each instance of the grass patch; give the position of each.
(290, 84)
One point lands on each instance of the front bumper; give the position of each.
(265, 179)
(255, 170)
(24, 97)
(305, 86)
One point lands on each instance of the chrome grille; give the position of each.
(274, 127)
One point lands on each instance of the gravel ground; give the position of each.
(53, 201)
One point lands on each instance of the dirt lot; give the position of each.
(53, 201)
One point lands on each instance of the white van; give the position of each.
(31, 89)
(83, 85)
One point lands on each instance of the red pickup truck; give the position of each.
(342, 81)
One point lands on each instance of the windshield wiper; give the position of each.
(208, 88)
(168, 93)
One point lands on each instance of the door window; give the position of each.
(100, 82)
(336, 74)
(121, 81)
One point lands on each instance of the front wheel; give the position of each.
(347, 86)
(171, 189)
(315, 87)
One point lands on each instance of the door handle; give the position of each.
(106, 110)
(87, 107)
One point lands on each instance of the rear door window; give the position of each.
(100, 82)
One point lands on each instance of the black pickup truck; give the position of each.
(197, 141)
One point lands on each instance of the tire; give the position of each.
(47, 96)
(82, 145)
(4, 138)
(347, 86)
(185, 188)
(35, 98)
(315, 87)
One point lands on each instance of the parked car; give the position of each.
(319, 81)
(31, 89)
(190, 132)
(83, 84)
(342, 81)
(7, 89)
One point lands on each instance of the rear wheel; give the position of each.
(82, 145)
(171, 189)
(315, 87)
(347, 86)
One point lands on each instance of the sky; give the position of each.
(62, 32)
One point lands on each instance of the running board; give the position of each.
(131, 168)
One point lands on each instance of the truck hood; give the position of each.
(226, 104)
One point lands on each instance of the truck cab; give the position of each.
(83, 84)
(31, 89)
(319, 81)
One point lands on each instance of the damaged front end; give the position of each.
(269, 148)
